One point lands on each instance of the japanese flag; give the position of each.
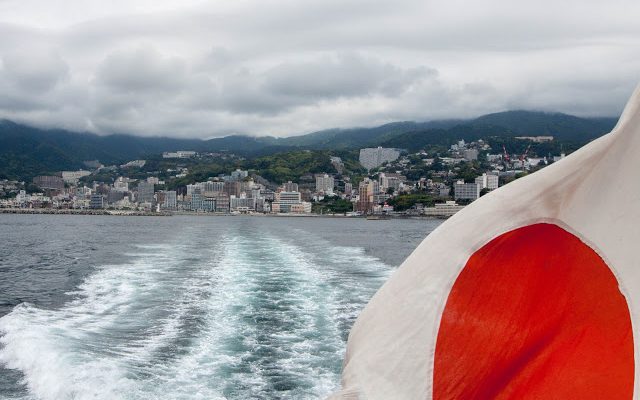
(531, 292)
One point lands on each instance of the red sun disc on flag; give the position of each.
(535, 314)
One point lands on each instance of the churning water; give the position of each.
(186, 307)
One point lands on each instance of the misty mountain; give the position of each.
(362, 137)
(27, 151)
(563, 127)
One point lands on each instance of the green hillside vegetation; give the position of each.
(290, 166)
(26, 151)
(332, 205)
(564, 127)
(406, 201)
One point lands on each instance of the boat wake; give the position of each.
(251, 316)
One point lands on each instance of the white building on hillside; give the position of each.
(487, 181)
(466, 191)
(374, 157)
(324, 184)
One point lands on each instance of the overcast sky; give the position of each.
(281, 67)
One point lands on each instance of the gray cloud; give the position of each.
(281, 67)
(142, 69)
(344, 75)
(33, 72)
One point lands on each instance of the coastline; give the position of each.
(70, 211)
(129, 213)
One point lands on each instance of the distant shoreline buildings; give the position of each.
(442, 185)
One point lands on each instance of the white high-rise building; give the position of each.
(170, 200)
(389, 181)
(191, 189)
(374, 157)
(121, 184)
(487, 181)
(214, 186)
(242, 203)
(324, 184)
(73, 177)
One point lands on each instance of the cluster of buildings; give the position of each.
(64, 191)
(441, 177)
(9, 188)
(373, 193)
(237, 192)
(233, 193)
(471, 191)
(242, 192)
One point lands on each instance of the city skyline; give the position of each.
(426, 183)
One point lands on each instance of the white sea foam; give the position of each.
(254, 316)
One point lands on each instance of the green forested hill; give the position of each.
(26, 151)
(563, 126)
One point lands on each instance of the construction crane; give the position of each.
(524, 155)
(505, 155)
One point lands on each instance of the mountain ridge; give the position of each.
(28, 151)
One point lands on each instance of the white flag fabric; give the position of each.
(531, 292)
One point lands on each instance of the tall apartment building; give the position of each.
(366, 194)
(348, 188)
(324, 184)
(389, 181)
(192, 188)
(232, 188)
(213, 186)
(466, 191)
(121, 184)
(145, 192)
(242, 204)
(179, 154)
(222, 202)
(96, 202)
(49, 182)
(374, 157)
(73, 177)
(290, 187)
(487, 181)
(208, 204)
(197, 200)
(170, 200)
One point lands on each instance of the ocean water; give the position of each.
(186, 307)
